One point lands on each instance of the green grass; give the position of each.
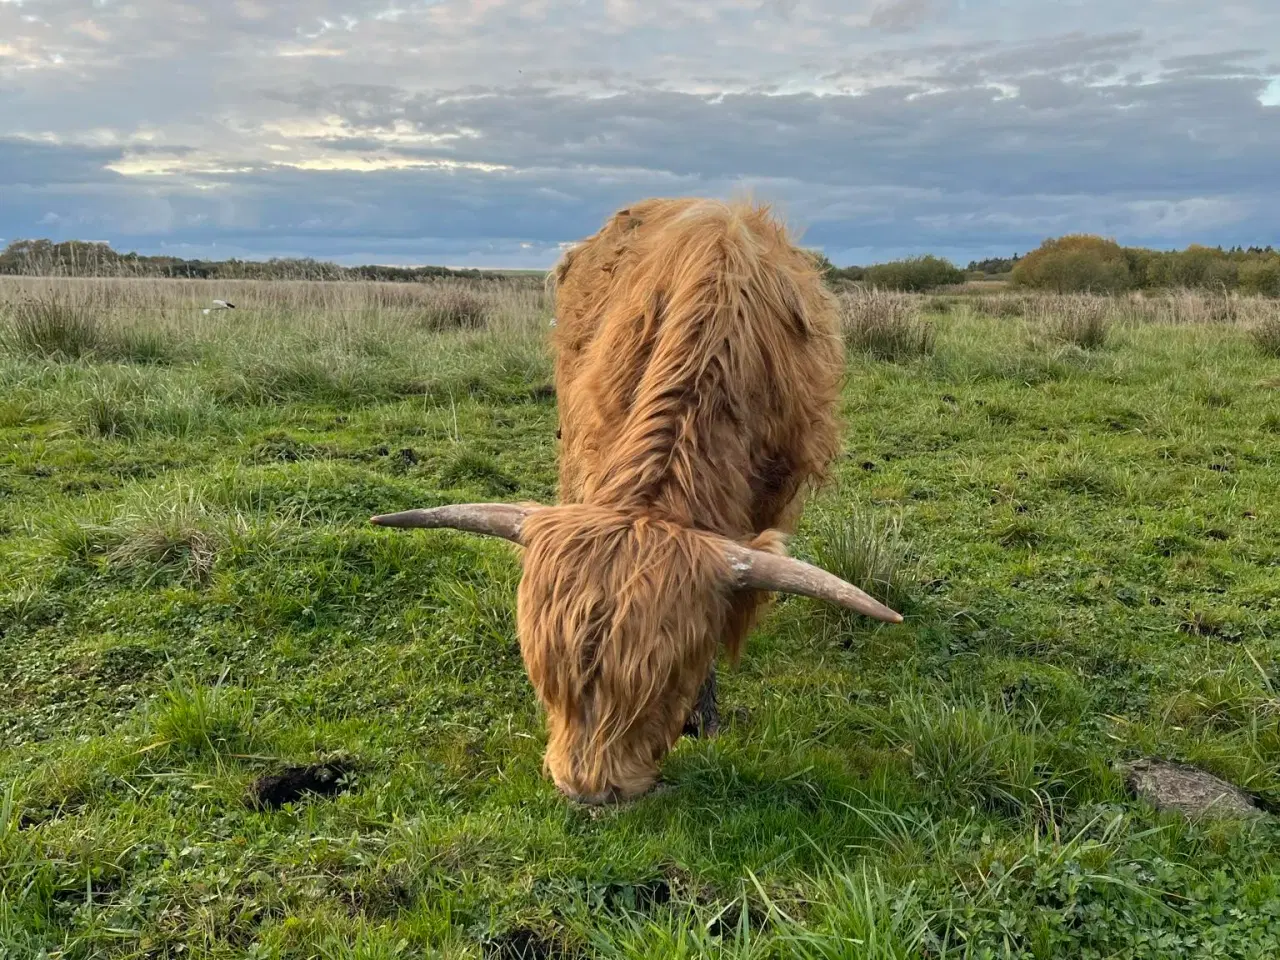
(1082, 536)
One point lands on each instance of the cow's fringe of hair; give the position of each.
(608, 661)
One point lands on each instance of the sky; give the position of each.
(493, 132)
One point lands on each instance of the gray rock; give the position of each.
(1188, 790)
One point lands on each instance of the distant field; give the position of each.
(1073, 500)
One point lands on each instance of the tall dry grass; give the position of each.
(338, 342)
(1178, 308)
(886, 325)
(129, 318)
(1082, 320)
(432, 302)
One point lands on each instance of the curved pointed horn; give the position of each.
(757, 570)
(489, 519)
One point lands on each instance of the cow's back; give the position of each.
(697, 368)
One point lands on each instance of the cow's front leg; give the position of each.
(704, 718)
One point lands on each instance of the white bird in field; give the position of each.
(220, 305)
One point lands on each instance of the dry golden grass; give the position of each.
(183, 300)
(885, 324)
(1178, 308)
(128, 317)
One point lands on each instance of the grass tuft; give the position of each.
(1079, 320)
(51, 328)
(868, 550)
(886, 326)
(205, 721)
(1266, 336)
(169, 528)
(968, 753)
(457, 308)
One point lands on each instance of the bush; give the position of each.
(1261, 277)
(1197, 266)
(824, 265)
(1075, 264)
(913, 274)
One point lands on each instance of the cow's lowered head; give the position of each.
(618, 617)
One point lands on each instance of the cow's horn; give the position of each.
(490, 519)
(757, 570)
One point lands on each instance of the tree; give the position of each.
(1076, 263)
(1261, 276)
(913, 274)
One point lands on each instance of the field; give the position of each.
(1073, 500)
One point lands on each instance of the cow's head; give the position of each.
(619, 616)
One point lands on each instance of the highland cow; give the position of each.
(698, 363)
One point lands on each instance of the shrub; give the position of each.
(824, 265)
(1197, 266)
(886, 326)
(913, 274)
(1261, 277)
(1075, 264)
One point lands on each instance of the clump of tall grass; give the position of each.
(1266, 336)
(124, 404)
(51, 328)
(970, 753)
(1001, 306)
(204, 721)
(885, 325)
(168, 528)
(54, 327)
(1192, 308)
(142, 345)
(1080, 319)
(867, 551)
(456, 307)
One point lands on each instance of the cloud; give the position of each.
(472, 128)
(900, 15)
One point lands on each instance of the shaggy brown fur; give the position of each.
(698, 365)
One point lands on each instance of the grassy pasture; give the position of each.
(1073, 500)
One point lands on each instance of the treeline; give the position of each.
(1077, 263)
(920, 273)
(1086, 263)
(1083, 263)
(77, 258)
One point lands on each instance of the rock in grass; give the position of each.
(293, 783)
(1188, 790)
